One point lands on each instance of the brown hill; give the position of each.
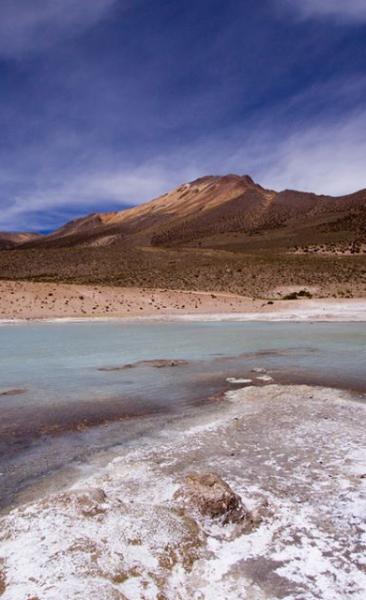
(207, 208)
(12, 239)
(216, 233)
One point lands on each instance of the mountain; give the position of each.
(216, 233)
(12, 239)
(210, 208)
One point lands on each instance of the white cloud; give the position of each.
(323, 153)
(345, 11)
(78, 192)
(32, 25)
(326, 159)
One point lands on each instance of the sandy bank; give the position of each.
(123, 534)
(28, 300)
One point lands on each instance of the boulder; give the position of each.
(212, 497)
(89, 502)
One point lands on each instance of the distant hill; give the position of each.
(12, 239)
(208, 208)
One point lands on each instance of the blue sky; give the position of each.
(108, 103)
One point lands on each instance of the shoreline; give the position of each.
(24, 302)
(338, 312)
(131, 538)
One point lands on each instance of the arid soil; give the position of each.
(46, 300)
(30, 300)
(253, 273)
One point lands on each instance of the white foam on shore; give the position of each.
(238, 380)
(299, 447)
(265, 378)
(312, 310)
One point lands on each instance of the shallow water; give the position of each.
(64, 408)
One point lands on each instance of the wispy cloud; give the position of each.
(325, 158)
(313, 142)
(51, 199)
(33, 25)
(344, 11)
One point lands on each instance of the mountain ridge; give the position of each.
(211, 205)
(216, 233)
(11, 239)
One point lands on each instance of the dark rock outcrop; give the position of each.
(212, 497)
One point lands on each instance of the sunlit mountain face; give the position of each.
(208, 210)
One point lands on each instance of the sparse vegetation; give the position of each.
(296, 295)
(253, 273)
(234, 237)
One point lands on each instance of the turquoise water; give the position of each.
(65, 409)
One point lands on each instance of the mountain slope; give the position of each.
(212, 207)
(12, 239)
(225, 234)
(198, 198)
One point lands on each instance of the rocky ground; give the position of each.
(29, 300)
(36, 300)
(253, 271)
(262, 496)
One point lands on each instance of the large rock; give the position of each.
(89, 502)
(212, 497)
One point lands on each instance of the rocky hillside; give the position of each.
(13, 239)
(215, 234)
(210, 208)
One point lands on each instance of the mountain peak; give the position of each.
(248, 179)
(213, 205)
